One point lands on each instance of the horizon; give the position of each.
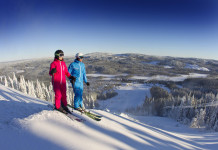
(73, 56)
(36, 28)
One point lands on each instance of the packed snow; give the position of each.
(130, 95)
(28, 123)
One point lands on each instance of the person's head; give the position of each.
(79, 56)
(59, 54)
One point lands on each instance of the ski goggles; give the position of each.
(81, 57)
(60, 55)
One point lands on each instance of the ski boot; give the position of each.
(66, 109)
(61, 110)
(79, 109)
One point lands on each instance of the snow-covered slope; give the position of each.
(27, 123)
(130, 96)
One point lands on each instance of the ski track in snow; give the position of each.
(28, 123)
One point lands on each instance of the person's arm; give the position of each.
(71, 78)
(66, 71)
(84, 75)
(52, 69)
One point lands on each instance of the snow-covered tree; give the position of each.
(1, 79)
(22, 85)
(5, 81)
(216, 97)
(51, 93)
(30, 88)
(193, 101)
(15, 82)
(11, 82)
(39, 91)
(198, 121)
(69, 95)
(46, 94)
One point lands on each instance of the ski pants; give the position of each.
(78, 98)
(60, 94)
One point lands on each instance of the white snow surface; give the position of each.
(129, 95)
(20, 71)
(196, 67)
(106, 76)
(173, 78)
(168, 67)
(28, 123)
(156, 77)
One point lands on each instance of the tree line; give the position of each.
(39, 90)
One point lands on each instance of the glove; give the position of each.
(53, 71)
(72, 79)
(88, 84)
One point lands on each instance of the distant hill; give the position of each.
(108, 63)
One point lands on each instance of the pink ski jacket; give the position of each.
(59, 76)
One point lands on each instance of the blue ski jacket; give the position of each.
(77, 69)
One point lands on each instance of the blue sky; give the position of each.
(36, 28)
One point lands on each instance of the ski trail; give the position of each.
(129, 96)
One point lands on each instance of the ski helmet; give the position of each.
(79, 55)
(59, 53)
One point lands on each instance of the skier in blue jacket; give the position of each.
(77, 69)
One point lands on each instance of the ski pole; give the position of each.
(89, 94)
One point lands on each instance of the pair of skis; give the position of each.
(73, 117)
(79, 119)
(69, 115)
(89, 114)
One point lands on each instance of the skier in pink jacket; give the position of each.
(58, 71)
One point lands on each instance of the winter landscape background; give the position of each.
(161, 94)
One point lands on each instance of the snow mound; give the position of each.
(28, 123)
